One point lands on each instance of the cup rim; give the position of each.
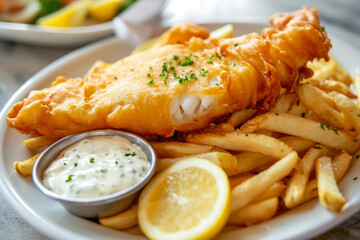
(67, 141)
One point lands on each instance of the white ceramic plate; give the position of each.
(51, 219)
(74, 36)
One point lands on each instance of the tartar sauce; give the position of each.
(96, 166)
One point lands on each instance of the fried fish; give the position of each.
(181, 84)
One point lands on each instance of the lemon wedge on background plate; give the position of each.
(104, 10)
(73, 14)
(189, 200)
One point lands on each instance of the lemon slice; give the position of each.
(104, 10)
(189, 200)
(73, 14)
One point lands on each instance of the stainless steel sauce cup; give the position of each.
(98, 206)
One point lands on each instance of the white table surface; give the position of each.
(18, 62)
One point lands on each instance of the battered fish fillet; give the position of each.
(182, 84)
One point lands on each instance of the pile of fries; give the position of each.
(275, 160)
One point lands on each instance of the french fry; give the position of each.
(305, 128)
(340, 165)
(322, 105)
(225, 160)
(255, 213)
(239, 117)
(283, 102)
(25, 168)
(356, 83)
(328, 191)
(296, 187)
(349, 108)
(246, 192)
(180, 149)
(248, 161)
(226, 31)
(274, 191)
(329, 70)
(37, 142)
(236, 180)
(297, 143)
(332, 85)
(298, 109)
(238, 141)
(96, 65)
(123, 220)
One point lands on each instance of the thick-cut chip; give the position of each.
(255, 213)
(123, 220)
(297, 143)
(331, 85)
(246, 192)
(274, 191)
(236, 180)
(321, 104)
(238, 141)
(180, 149)
(238, 118)
(298, 109)
(226, 31)
(283, 102)
(248, 161)
(340, 165)
(25, 168)
(225, 160)
(37, 142)
(296, 187)
(329, 194)
(305, 128)
(356, 83)
(349, 108)
(331, 69)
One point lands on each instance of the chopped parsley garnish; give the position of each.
(203, 72)
(150, 82)
(176, 57)
(165, 82)
(217, 84)
(358, 114)
(115, 78)
(187, 61)
(355, 178)
(218, 55)
(69, 178)
(75, 164)
(317, 147)
(355, 140)
(357, 156)
(297, 103)
(233, 65)
(64, 164)
(92, 160)
(116, 162)
(324, 127)
(303, 114)
(150, 68)
(130, 154)
(148, 74)
(322, 28)
(132, 69)
(210, 61)
(276, 114)
(236, 44)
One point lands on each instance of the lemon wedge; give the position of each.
(104, 10)
(73, 14)
(189, 200)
